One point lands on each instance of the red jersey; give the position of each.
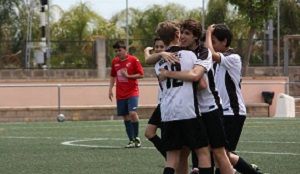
(126, 87)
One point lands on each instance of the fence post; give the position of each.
(101, 57)
(58, 99)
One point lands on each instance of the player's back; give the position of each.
(179, 100)
(228, 82)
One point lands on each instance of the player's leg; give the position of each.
(172, 161)
(222, 160)
(195, 168)
(132, 108)
(183, 161)
(233, 126)
(197, 139)
(216, 134)
(150, 132)
(172, 141)
(122, 110)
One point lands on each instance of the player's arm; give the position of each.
(215, 56)
(111, 85)
(132, 76)
(193, 75)
(138, 74)
(202, 84)
(151, 59)
(147, 52)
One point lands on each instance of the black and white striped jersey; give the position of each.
(178, 98)
(228, 82)
(208, 98)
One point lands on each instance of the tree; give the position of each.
(289, 13)
(255, 12)
(217, 11)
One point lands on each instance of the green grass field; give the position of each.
(96, 147)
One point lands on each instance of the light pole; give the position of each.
(278, 33)
(127, 36)
(203, 16)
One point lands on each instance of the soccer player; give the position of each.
(125, 70)
(182, 125)
(228, 82)
(155, 120)
(208, 99)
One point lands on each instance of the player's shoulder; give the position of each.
(202, 52)
(231, 53)
(115, 59)
(132, 58)
(174, 49)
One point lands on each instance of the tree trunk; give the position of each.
(249, 51)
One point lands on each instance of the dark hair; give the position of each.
(119, 44)
(193, 26)
(156, 39)
(167, 31)
(222, 32)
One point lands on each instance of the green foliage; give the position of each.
(245, 18)
(70, 54)
(289, 17)
(217, 12)
(255, 11)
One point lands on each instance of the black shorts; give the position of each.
(155, 118)
(179, 133)
(215, 130)
(233, 126)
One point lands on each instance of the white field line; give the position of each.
(119, 139)
(270, 153)
(80, 144)
(112, 139)
(67, 127)
(271, 142)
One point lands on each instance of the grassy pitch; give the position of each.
(97, 147)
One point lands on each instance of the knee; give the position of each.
(149, 133)
(134, 116)
(219, 152)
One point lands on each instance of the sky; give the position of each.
(107, 8)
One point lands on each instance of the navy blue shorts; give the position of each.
(124, 106)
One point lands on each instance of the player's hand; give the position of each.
(211, 28)
(170, 57)
(110, 95)
(162, 75)
(202, 84)
(148, 50)
(124, 72)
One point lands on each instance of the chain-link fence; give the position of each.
(61, 55)
(81, 54)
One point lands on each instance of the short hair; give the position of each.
(119, 44)
(193, 26)
(222, 32)
(167, 31)
(156, 39)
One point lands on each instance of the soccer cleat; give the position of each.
(194, 171)
(257, 169)
(131, 144)
(137, 142)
